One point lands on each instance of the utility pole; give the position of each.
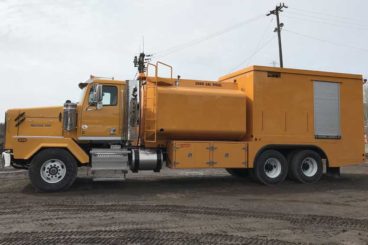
(276, 12)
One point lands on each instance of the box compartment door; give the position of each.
(229, 155)
(190, 154)
(327, 110)
(208, 154)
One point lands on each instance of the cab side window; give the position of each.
(110, 95)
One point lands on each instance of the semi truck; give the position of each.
(271, 123)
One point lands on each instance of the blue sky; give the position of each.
(48, 47)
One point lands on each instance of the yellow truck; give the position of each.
(270, 122)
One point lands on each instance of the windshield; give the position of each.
(82, 93)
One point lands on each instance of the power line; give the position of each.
(264, 33)
(326, 21)
(196, 41)
(326, 41)
(261, 40)
(326, 18)
(205, 38)
(254, 53)
(326, 14)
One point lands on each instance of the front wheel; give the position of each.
(270, 167)
(53, 170)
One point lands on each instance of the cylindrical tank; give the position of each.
(146, 159)
(190, 113)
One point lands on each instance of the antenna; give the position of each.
(141, 62)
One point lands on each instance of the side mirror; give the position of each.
(96, 96)
(98, 93)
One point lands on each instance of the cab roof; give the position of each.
(100, 80)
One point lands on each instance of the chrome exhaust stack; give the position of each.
(131, 112)
(70, 116)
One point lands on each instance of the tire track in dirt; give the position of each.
(131, 237)
(294, 219)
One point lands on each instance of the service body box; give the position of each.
(289, 108)
(207, 154)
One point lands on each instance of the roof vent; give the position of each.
(273, 74)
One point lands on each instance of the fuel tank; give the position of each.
(200, 113)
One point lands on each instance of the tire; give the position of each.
(306, 167)
(53, 170)
(238, 172)
(289, 158)
(270, 167)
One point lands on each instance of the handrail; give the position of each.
(148, 65)
(169, 66)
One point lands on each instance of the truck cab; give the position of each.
(100, 113)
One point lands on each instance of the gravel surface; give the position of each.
(186, 207)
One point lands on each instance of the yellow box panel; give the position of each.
(229, 154)
(208, 154)
(190, 154)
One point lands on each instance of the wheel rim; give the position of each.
(53, 171)
(272, 168)
(309, 167)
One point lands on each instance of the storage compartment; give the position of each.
(327, 110)
(215, 154)
(301, 107)
(186, 154)
(229, 154)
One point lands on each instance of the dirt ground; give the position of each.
(190, 207)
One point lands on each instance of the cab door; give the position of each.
(98, 122)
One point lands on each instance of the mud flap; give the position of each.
(333, 172)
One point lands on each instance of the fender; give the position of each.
(25, 147)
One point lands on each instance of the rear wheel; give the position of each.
(53, 170)
(289, 157)
(238, 172)
(270, 167)
(306, 166)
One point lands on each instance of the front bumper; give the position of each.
(6, 158)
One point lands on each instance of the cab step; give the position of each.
(108, 175)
